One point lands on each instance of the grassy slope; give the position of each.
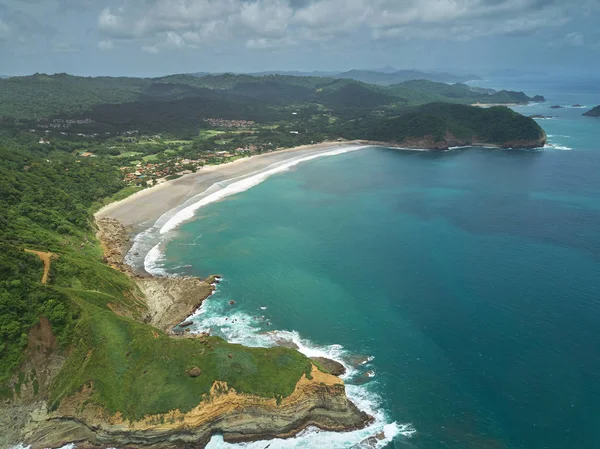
(45, 200)
(138, 370)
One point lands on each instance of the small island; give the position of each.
(595, 112)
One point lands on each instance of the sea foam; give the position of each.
(555, 146)
(256, 330)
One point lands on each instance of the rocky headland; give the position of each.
(317, 400)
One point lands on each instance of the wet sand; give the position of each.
(142, 209)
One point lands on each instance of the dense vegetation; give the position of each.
(63, 95)
(45, 200)
(491, 125)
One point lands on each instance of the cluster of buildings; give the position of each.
(222, 123)
(155, 173)
(60, 123)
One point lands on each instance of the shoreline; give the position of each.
(138, 210)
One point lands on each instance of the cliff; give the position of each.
(318, 401)
(127, 383)
(593, 113)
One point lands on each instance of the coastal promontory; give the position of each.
(441, 126)
(595, 112)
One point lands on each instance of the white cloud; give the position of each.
(4, 31)
(272, 23)
(574, 39)
(65, 47)
(106, 44)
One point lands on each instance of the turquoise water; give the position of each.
(472, 278)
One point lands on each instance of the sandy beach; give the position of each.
(142, 209)
(489, 105)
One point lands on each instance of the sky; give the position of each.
(158, 37)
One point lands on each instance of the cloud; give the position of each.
(4, 31)
(65, 47)
(18, 27)
(574, 39)
(106, 44)
(262, 24)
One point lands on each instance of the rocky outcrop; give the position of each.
(593, 113)
(333, 367)
(169, 300)
(318, 401)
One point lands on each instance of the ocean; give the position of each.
(460, 288)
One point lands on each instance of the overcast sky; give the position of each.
(156, 37)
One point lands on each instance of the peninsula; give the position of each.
(595, 112)
(88, 350)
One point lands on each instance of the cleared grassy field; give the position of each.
(137, 370)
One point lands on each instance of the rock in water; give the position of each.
(335, 368)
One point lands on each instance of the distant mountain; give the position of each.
(593, 113)
(386, 69)
(387, 79)
(513, 73)
(384, 76)
(42, 95)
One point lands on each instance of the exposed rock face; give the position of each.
(593, 113)
(41, 365)
(169, 300)
(172, 300)
(335, 368)
(320, 401)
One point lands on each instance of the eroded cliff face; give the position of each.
(169, 300)
(320, 401)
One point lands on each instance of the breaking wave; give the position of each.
(245, 184)
(555, 146)
(256, 330)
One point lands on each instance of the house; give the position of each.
(44, 141)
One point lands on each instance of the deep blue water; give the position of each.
(472, 277)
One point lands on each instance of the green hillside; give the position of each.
(45, 202)
(41, 96)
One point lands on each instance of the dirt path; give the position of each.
(47, 259)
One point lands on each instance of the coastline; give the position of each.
(143, 208)
(322, 403)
